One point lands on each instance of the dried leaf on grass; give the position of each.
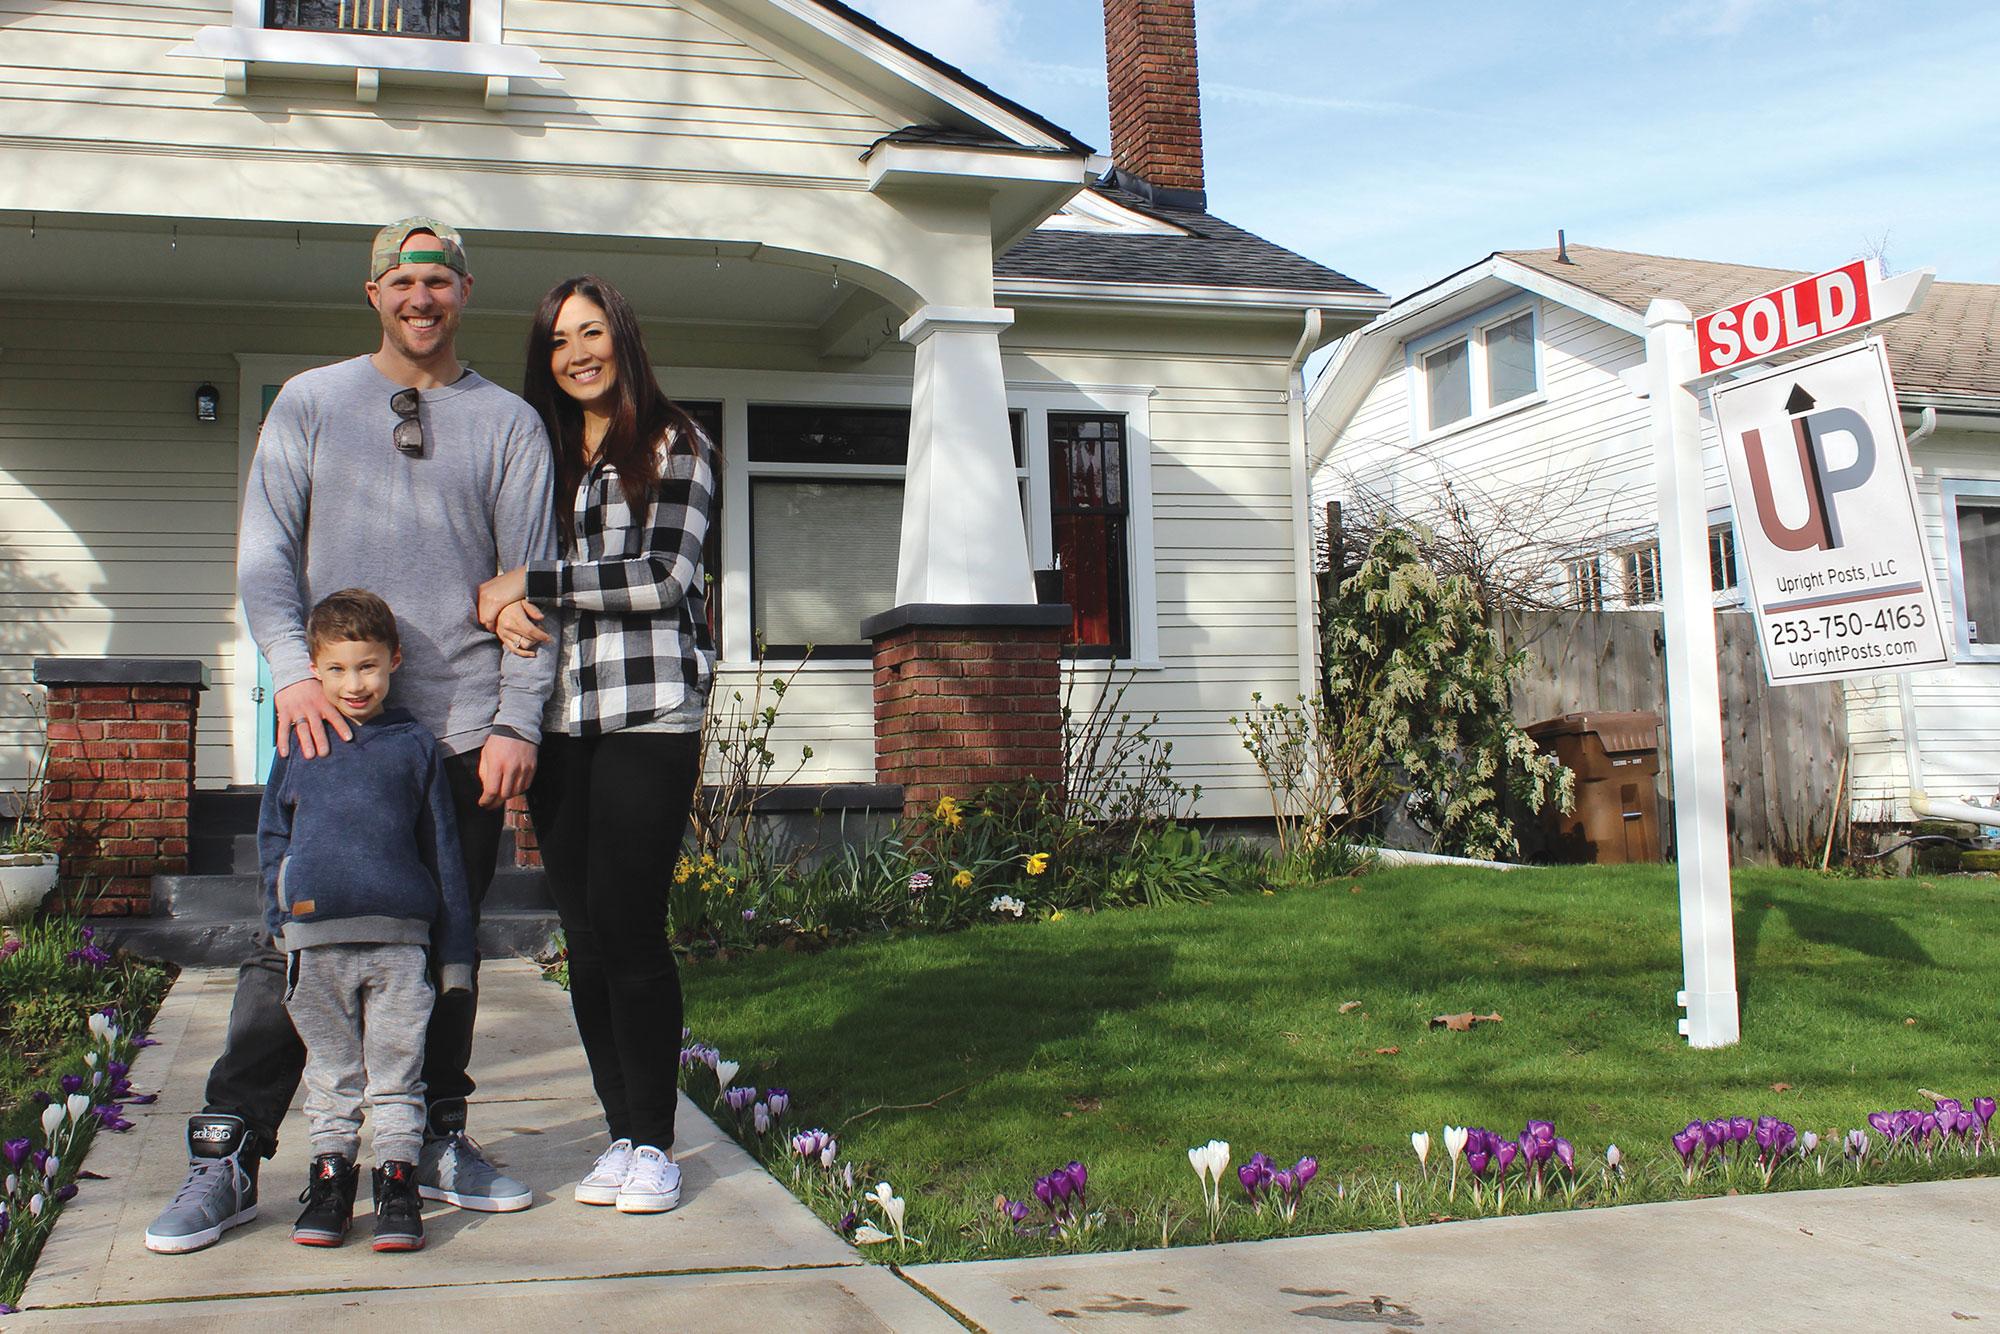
(1388, 1051)
(1348, 1006)
(1781, 1087)
(1459, 1023)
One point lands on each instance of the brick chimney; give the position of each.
(1155, 100)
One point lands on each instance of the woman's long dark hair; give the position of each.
(640, 417)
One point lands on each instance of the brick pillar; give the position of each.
(121, 773)
(967, 697)
(527, 848)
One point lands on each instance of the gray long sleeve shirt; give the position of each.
(332, 504)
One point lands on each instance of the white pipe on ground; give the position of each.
(1921, 802)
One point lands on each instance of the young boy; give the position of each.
(362, 870)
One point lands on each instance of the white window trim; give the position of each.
(1472, 329)
(736, 390)
(245, 41)
(1731, 596)
(1950, 491)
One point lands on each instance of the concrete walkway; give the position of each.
(741, 1254)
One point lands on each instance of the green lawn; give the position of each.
(1124, 1038)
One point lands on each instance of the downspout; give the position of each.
(1302, 564)
(1921, 802)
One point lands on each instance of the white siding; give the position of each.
(643, 84)
(1958, 709)
(118, 510)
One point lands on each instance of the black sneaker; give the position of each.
(329, 1201)
(399, 1213)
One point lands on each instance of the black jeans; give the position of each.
(610, 812)
(262, 1058)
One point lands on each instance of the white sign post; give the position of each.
(1682, 354)
(1826, 519)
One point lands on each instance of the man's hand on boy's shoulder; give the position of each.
(506, 767)
(304, 710)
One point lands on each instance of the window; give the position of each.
(1722, 576)
(1476, 367)
(826, 523)
(1639, 568)
(1972, 547)
(1089, 512)
(1586, 584)
(448, 19)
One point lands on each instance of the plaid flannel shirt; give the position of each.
(639, 594)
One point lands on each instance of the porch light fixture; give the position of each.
(207, 403)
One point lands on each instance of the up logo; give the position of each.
(1811, 428)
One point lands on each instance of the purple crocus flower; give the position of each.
(852, 1220)
(1685, 1144)
(70, 1084)
(39, 1160)
(109, 1117)
(1475, 1161)
(16, 1151)
(1045, 1191)
(66, 1194)
(1882, 1122)
(1305, 1170)
(1542, 1131)
(1503, 1157)
(1077, 1175)
(739, 1098)
(778, 1100)
(1015, 1211)
(1566, 1155)
(1983, 1108)
(1739, 1128)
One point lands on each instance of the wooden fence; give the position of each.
(1784, 749)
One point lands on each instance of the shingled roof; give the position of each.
(1949, 346)
(1213, 253)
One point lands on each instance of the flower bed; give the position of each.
(73, 1017)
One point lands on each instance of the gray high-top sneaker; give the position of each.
(455, 1169)
(220, 1190)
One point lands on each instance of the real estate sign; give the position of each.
(1835, 564)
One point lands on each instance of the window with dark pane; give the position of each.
(823, 549)
(1090, 515)
(783, 433)
(448, 19)
(708, 416)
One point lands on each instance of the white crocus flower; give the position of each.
(78, 1103)
(36, 1205)
(1613, 1159)
(760, 1118)
(725, 1072)
(867, 1234)
(1454, 1141)
(1420, 1140)
(100, 1027)
(52, 1119)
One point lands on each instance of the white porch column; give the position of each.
(963, 539)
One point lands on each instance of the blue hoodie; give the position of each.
(360, 846)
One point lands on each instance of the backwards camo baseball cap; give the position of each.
(388, 250)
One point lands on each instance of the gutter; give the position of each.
(1295, 422)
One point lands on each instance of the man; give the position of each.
(407, 474)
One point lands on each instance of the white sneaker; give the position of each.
(607, 1175)
(654, 1184)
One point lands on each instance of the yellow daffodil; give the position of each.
(1038, 862)
(963, 880)
(683, 870)
(947, 813)
(1056, 916)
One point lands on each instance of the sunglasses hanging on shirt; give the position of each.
(409, 434)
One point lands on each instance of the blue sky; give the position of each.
(1397, 142)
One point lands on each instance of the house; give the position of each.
(1495, 393)
(942, 343)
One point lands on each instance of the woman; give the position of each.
(621, 748)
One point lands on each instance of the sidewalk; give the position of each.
(739, 1254)
(1924, 1257)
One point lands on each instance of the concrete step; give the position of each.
(226, 942)
(222, 898)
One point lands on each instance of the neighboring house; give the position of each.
(1498, 389)
(941, 342)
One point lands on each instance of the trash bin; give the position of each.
(1615, 757)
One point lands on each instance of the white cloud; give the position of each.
(964, 32)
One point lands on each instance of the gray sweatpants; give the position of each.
(362, 1011)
